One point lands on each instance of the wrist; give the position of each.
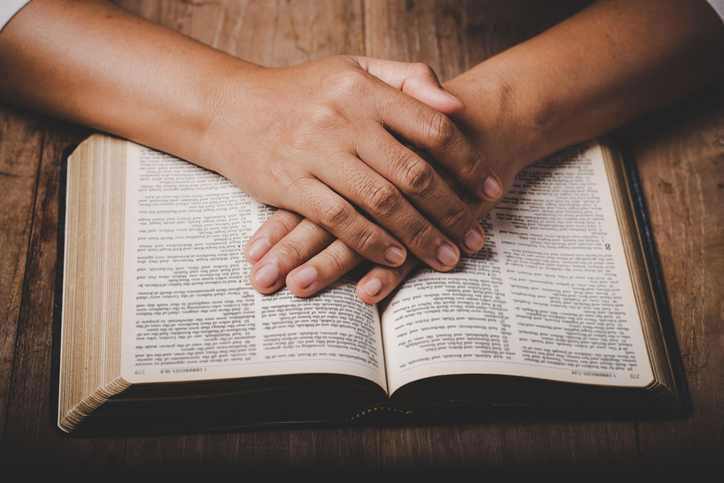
(217, 120)
(502, 119)
(514, 107)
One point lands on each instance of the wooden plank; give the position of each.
(27, 432)
(680, 154)
(21, 136)
(680, 157)
(269, 33)
(450, 36)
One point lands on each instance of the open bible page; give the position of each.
(549, 296)
(189, 311)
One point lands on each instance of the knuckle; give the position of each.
(283, 220)
(365, 240)
(314, 233)
(290, 252)
(287, 219)
(383, 200)
(440, 130)
(336, 261)
(421, 237)
(335, 214)
(471, 171)
(456, 215)
(325, 116)
(397, 274)
(352, 82)
(418, 178)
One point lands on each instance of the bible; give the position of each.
(157, 329)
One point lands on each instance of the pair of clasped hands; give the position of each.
(360, 155)
(367, 164)
(366, 159)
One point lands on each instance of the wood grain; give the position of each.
(27, 416)
(679, 153)
(680, 156)
(21, 136)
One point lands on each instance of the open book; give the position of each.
(160, 331)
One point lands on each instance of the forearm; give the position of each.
(316, 137)
(611, 63)
(608, 65)
(95, 64)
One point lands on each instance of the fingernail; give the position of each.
(492, 188)
(474, 240)
(259, 248)
(395, 255)
(267, 275)
(447, 256)
(372, 286)
(305, 277)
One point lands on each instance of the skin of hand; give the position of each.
(605, 66)
(322, 138)
(312, 258)
(307, 157)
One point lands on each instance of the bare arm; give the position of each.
(318, 137)
(611, 63)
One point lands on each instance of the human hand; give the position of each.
(309, 258)
(525, 104)
(321, 138)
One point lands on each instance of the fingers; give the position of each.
(322, 270)
(432, 131)
(335, 162)
(389, 206)
(339, 217)
(416, 80)
(271, 232)
(381, 281)
(301, 255)
(334, 262)
(431, 195)
(390, 203)
(291, 246)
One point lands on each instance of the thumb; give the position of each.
(416, 80)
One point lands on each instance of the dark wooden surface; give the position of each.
(680, 156)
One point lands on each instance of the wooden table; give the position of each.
(680, 157)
